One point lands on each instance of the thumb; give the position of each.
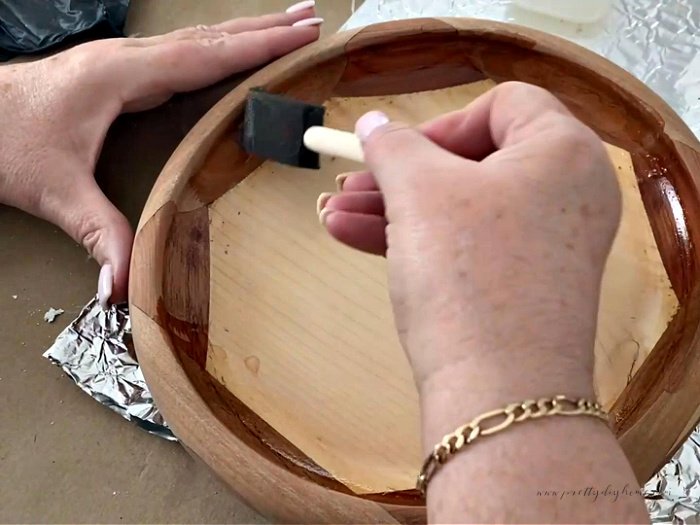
(400, 157)
(93, 221)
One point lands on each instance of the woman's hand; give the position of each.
(56, 112)
(496, 221)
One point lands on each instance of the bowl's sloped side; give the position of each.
(274, 490)
(659, 407)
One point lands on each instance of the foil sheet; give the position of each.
(96, 351)
(658, 41)
(673, 495)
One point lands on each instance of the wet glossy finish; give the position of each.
(170, 280)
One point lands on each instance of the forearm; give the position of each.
(554, 469)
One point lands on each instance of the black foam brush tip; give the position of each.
(274, 127)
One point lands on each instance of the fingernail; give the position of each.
(368, 122)
(300, 6)
(323, 216)
(340, 180)
(104, 285)
(321, 201)
(316, 21)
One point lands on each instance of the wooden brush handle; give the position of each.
(333, 142)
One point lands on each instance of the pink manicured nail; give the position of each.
(321, 202)
(308, 22)
(104, 285)
(300, 6)
(340, 180)
(323, 216)
(368, 122)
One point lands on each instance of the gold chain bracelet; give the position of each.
(499, 420)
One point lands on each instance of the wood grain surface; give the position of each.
(301, 328)
(274, 432)
(637, 301)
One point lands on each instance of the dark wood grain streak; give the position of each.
(184, 308)
(147, 261)
(661, 182)
(435, 58)
(668, 178)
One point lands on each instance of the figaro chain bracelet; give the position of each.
(498, 420)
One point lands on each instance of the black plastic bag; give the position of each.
(31, 26)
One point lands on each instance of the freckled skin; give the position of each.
(495, 267)
(60, 108)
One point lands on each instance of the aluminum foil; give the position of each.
(96, 351)
(673, 495)
(658, 41)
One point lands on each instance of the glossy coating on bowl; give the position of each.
(170, 282)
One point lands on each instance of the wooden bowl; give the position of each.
(270, 348)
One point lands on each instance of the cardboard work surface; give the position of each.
(64, 457)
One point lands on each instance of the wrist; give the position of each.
(493, 337)
(460, 391)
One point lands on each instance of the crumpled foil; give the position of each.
(673, 495)
(96, 351)
(658, 41)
